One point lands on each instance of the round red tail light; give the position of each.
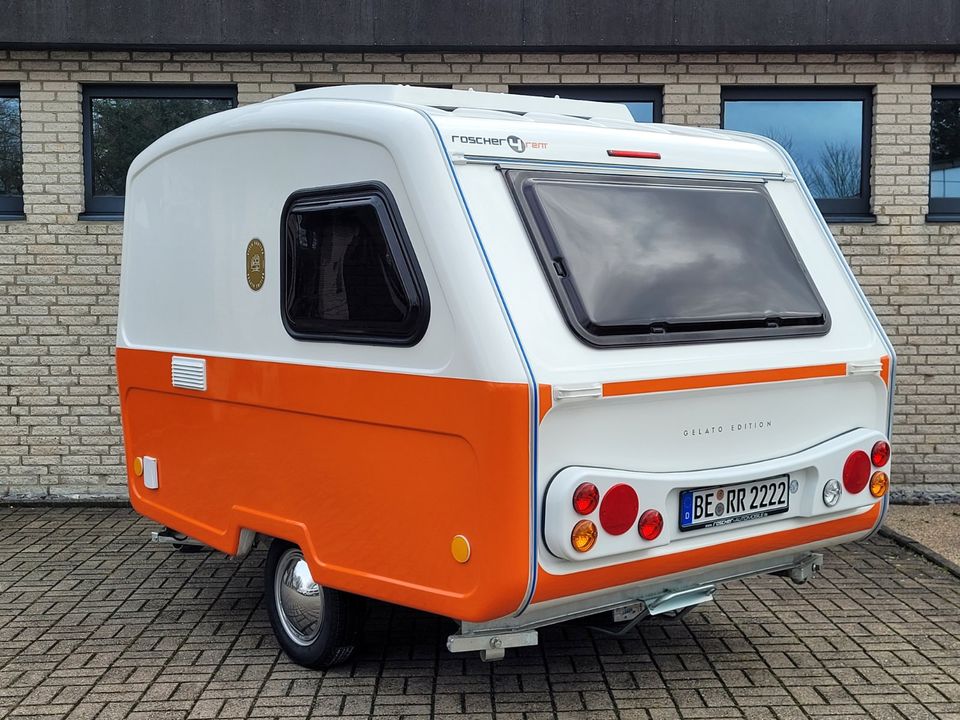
(651, 524)
(856, 471)
(619, 508)
(880, 455)
(585, 498)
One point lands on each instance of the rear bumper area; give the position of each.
(652, 598)
(627, 559)
(678, 570)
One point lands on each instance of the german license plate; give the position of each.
(716, 506)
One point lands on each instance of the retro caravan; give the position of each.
(511, 360)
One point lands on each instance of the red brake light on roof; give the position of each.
(856, 471)
(634, 154)
(880, 455)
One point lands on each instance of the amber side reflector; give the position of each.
(879, 484)
(640, 154)
(460, 548)
(584, 536)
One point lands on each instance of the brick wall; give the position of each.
(60, 433)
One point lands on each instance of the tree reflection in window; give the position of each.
(825, 130)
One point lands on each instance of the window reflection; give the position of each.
(945, 149)
(641, 111)
(824, 138)
(123, 127)
(11, 172)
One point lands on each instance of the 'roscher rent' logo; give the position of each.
(516, 144)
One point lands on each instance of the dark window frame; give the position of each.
(400, 247)
(599, 93)
(945, 209)
(546, 248)
(857, 209)
(110, 207)
(11, 206)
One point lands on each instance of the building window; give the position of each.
(347, 271)
(645, 102)
(119, 121)
(825, 130)
(945, 154)
(11, 154)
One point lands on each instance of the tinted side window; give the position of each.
(347, 269)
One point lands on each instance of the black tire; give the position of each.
(331, 623)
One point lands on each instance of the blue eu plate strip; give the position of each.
(686, 508)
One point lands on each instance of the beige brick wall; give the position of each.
(60, 432)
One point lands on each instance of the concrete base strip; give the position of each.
(921, 550)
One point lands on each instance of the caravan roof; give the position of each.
(576, 131)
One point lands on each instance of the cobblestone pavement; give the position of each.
(96, 622)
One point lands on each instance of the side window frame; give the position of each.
(858, 209)
(110, 207)
(11, 206)
(941, 209)
(398, 242)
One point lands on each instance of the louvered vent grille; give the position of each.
(190, 373)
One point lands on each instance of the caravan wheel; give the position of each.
(316, 626)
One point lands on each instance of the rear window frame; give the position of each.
(398, 241)
(564, 291)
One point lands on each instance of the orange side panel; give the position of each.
(697, 382)
(371, 473)
(555, 586)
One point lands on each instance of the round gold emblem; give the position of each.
(256, 261)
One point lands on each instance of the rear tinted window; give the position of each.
(641, 261)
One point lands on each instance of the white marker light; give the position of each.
(832, 493)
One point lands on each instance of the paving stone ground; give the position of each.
(95, 622)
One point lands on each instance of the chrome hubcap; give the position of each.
(299, 599)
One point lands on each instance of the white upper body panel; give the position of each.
(198, 195)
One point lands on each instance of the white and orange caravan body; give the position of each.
(507, 359)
